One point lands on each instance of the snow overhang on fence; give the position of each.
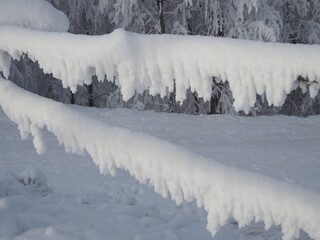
(224, 192)
(142, 62)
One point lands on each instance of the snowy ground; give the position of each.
(281, 147)
(77, 202)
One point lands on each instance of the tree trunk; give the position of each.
(169, 99)
(161, 17)
(72, 101)
(90, 92)
(196, 103)
(215, 98)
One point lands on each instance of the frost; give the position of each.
(35, 14)
(151, 62)
(224, 192)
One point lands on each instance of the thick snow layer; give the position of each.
(224, 192)
(35, 14)
(152, 62)
(84, 204)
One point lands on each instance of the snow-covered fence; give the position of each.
(224, 192)
(142, 62)
(152, 62)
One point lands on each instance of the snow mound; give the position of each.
(29, 181)
(151, 62)
(224, 192)
(34, 180)
(35, 14)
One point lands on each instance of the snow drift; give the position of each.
(151, 62)
(35, 14)
(224, 192)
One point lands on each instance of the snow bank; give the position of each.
(173, 171)
(153, 61)
(35, 14)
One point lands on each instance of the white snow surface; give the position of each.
(34, 14)
(151, 62)
(75, 202)
(223, 191)
(61, 196)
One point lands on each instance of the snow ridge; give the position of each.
(151, 62)
(35, 14)
(174, 172)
